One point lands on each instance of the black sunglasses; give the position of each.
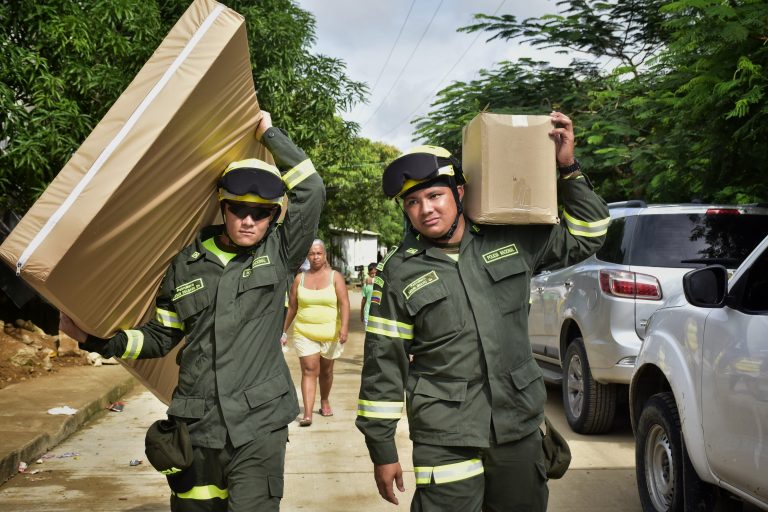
(241, 211)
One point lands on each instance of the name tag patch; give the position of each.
(188, 288)
(504, 252)
(421, 282)
(260, 261)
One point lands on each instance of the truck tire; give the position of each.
(589, 406)
(666, 479)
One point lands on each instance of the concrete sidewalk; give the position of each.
(28, 431)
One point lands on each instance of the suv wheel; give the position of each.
(589, 406)
(666, 480)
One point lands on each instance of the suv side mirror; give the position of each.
(706, 287)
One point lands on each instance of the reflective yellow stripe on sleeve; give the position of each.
(448, 473)
(298, 173)
(135, 342)
(583, 228)
(391, 328)
(381, 410)
(204, 492)
(168, 319)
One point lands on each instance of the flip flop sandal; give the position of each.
(305, 422)
(326, 412)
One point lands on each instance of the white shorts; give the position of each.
(326, 349)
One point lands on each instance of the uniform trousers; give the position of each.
(233, 479)
(509, 477)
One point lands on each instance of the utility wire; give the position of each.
(384, 66)
(413, 52)
(433, 91)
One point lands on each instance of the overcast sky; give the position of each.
(426, 58)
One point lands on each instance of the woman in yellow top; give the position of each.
(320, 304)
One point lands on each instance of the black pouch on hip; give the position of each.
(557, 454)
(168, 447)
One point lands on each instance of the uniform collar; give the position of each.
(414, 244)
(207, 232)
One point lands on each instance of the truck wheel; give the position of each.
(589, 406)
(659, 455)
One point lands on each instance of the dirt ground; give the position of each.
(26, 352)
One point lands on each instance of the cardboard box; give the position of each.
(511, 171)
(97, 242)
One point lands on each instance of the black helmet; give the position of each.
(251, 181)
(418, 166)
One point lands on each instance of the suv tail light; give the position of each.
(630, 285)
(723, 211)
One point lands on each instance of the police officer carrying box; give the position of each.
(448, 328)
(225, 293)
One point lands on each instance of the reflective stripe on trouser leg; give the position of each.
(515, 476)
(448, 478)
(202, 486)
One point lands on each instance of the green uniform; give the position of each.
(234, 385)
(472, 381)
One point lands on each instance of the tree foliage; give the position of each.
(64, 63)
(670, 106)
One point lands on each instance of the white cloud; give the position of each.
(362, 33)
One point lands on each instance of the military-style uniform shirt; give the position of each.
(465, 325)
(233, 379)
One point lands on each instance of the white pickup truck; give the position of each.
(699, 392)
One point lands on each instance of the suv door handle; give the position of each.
(568, 284)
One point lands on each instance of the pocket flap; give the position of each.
(525, 374)
(450, 390)
(259, 276)
(192, 304)
(502, 269)
(187, 407)
(428, 295)
(266, 390)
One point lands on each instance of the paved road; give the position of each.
(327, 466)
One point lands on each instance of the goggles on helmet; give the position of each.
(251, 181)
(413, 169)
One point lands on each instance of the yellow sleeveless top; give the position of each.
(317, 317)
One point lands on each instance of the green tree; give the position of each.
(674, 111)
(62, 65)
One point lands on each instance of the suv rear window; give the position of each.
(694, 240)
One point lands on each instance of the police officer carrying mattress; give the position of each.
(225, 293)
(448, 330)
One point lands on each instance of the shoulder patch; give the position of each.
(188, 288)
(420, 282)
(383, 262)
(377, 281)
(501, 252)
(412, 250)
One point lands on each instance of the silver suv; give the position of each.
(586, 321)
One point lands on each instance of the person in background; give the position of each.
(367, 291)
(224, 294)
(319, 302)
(454, 298)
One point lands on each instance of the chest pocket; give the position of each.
(434, 313)
(189, 306)
(510, 283)
(256, 293)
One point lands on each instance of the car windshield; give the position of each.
(695, 240)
